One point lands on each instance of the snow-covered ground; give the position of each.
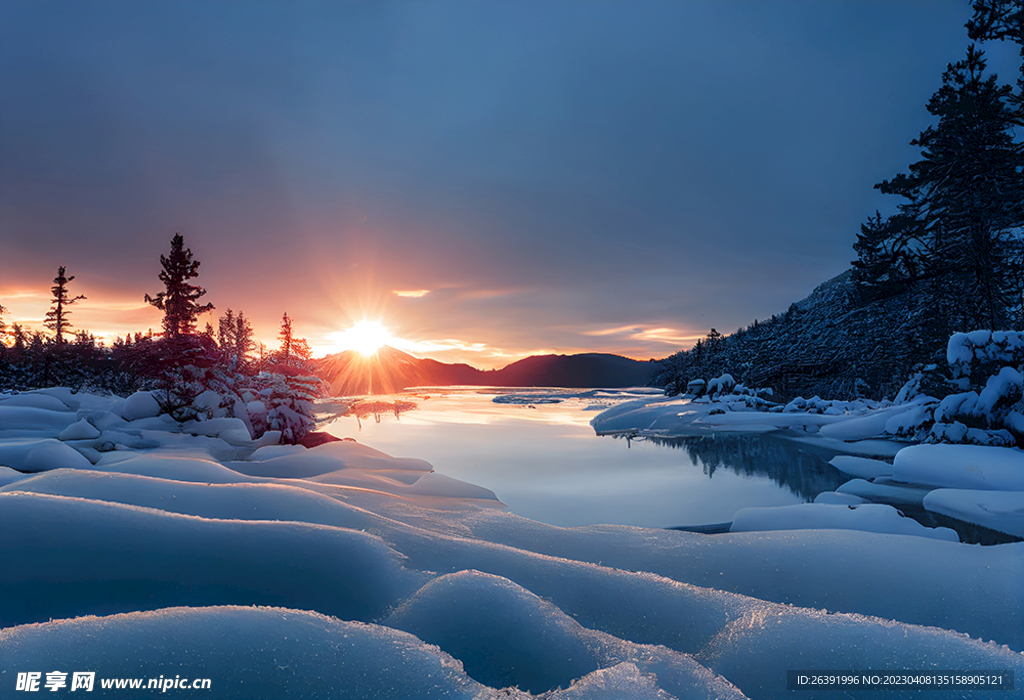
(137, 547)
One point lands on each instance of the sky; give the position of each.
(489, 180)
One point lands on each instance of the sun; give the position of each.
(365, 337)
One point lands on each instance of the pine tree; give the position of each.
(244, 342)
(887, 252)
(226, 332)
(285, 336)
(1002, 20)
(963, 199)
(179, 300)
(3, 326)
(57, 317)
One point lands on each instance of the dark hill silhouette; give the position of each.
(351, 374)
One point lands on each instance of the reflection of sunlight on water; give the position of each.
(545, 462)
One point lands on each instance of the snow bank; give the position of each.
(180, 465)
(82, 430)
(872, 517)
(245, 652)
(324, 459)
(347, 531)
(141, 404)
(862, 467)
(9, 476)
(813, 640)
(885, 490)
(998, 510)
(98, 557)
(42, 420)
(961, 467)
(35, 455)
(540, 647)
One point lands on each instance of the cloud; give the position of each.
(416, 293)
(662, 334)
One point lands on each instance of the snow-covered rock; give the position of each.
(997, 510)
(141, 404)
(871, 517)
(37, 455)
(82, 430)
(961, 467)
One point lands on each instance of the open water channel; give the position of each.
(536, 450)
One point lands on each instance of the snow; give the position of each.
(885, 490)
(9, 476)
(36, 455)
(141, 404)
(246, 653)
(998, 510)
(45, 422)
(341, 571)
(541, 648)
(82, 430)
(834, 497)
(871, 517)
(863, 467)
(33, 400)
(961, 467)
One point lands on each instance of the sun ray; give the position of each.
(365, 337)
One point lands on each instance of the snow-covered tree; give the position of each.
(57, 317)
(244, 342)
(226, 331)
(285, 336)
(179, 300)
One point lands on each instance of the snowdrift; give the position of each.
(340, 571)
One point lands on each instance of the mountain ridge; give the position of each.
(389, 370)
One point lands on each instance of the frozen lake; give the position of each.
(544, 461)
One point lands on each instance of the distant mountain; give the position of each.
(351, 374)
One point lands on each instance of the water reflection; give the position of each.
(804, 472)
(544, 461)
(364, 408)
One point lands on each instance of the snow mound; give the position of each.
(808, 639)
(885, 490)
(35, 455)
(42, 401)
(323, 459)
(245, 652)
(432, 484)
(82, 430)
(836, 498)
(540, 647)
(232, 501)
(37, 420)
(870, 517)
(997, 510)
(177, 465)
(961, 467)
(122, 558)
(863, 467)
(141, 404)
(9, 476)
(231, 430)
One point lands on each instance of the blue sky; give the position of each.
(545, 176)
